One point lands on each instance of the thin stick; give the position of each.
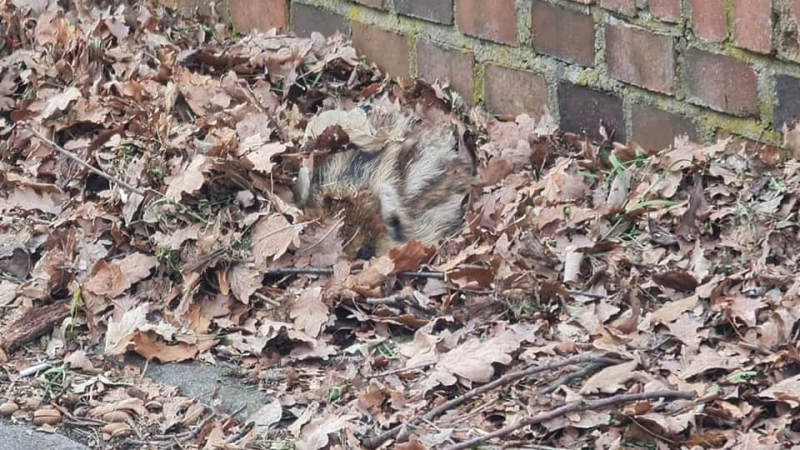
(580, 405)
(401, 370)
(83, 163)
(572, 376)
(301, 271)
(505, 379)
(329, 271)
(586, 294)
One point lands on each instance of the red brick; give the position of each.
(380, 4)
(563, 33)
(627, 7)
(449, 65)
(582, 110)
(510, 91)
(639, 57)
(656, 130)
(708, 19)
(306, 19)
(262, 15)
(433, 10)
(666, 10)
(752, 24)
(721, 82)
(790, 32)
(494, 20)
(388, 50)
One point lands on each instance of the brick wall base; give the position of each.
(650, 70)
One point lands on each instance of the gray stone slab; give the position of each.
(21, 437)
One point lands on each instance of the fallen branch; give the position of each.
(572, 376)
(83, 163)
(580, 405)
(33, 323)
(401, 370)
(329, 271)
(586, 294)
(505, 379)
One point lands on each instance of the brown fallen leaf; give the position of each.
(410, 256)
(473, 359)
(149, 346)
(791, 139)
(611, 379)
(677, 279)
(272, 236)
(309, 312)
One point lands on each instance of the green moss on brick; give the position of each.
(478, 81)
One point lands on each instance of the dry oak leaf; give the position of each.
(315, 435)
(309, 312)
(791, 139)
(244, 281)
(267, 416)
(79, 360)
(473, 359)
(677, 279)
(30, 198)
(149, 346)
(260, 155)
(114, 278)
(120, 332)
(673, 310)
(60, 102)
(370, 279)
(708, 359)
(787, 391)
(272, 236)
(611, 379)
(189, 180)
(136, 267)
(410, 256)
(107, 280)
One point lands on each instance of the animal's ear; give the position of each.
(302, 187)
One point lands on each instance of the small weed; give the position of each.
(387, 350)
(169, 258)
(54, 377)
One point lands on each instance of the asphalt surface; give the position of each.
(22, 437)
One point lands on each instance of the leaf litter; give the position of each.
(600, 295)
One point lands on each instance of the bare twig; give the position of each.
(586, 294)
(83, 163)
(329, 271)
(572, 376)
(580, 405)
(401, 370)
(505, 379)
(300, 271)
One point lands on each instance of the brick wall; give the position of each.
(650, 69)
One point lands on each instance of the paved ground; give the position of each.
(21, 437)
(193, 379)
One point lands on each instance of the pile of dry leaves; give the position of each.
(600, 295)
